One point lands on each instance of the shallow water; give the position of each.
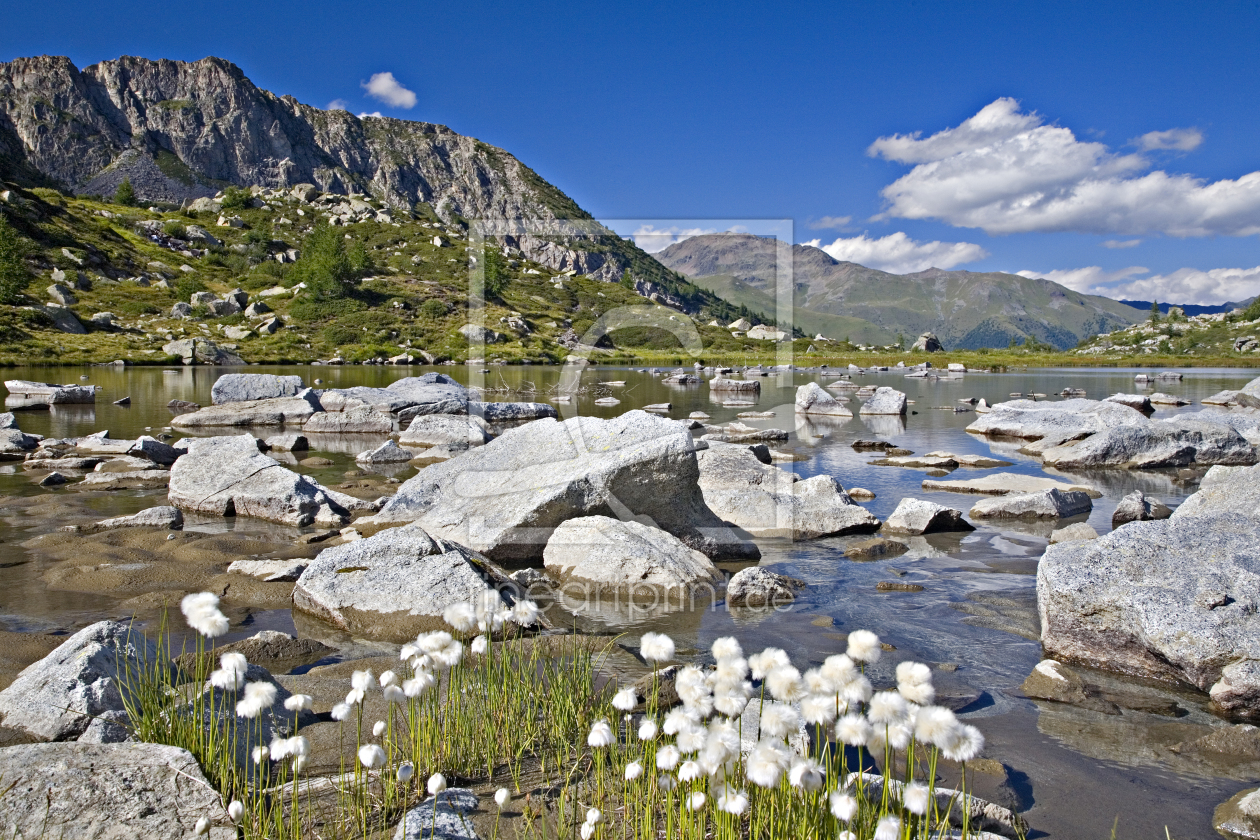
(1073, 771)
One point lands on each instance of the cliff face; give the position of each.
(183, 130)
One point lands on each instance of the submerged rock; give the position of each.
(394, 584)
(875, 548)
(56, 698)
(626, 558)
(1239, 816)
(1045, 504)
(505, 498)
(759, 588)
(228, 476)
(1136, 507)
(106, 792)
(1075, 531)
(44, 393)
(999, 484)
(387, 453)
(915, 516)
(167, 518)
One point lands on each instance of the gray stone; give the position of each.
(1075, 531)
(202, 298)
(1244, 421)
(8, 421)
(201, 351)
(394, 584)
(915, 516)
(270, 571)
(1234, 489)
(271, 326)
(884, 401)
(167, 518)
(759, 588)
(1179, 441)
(999, 484)
(432, 393)
(246, 387)
(387, 453)
(1136, 507)
(444, 817)
(875, 548)
(256, 309)
(1059, 421)
(812, 399)
(928, 343)
(1140, 402)
(438, 429)
(238, 333)
(1238, 817)
(285, 411)
(103, 319)
(238, 296)
(1252, 388)
(598, 554)
(133, 480)
(358, 420)
(1160, 398)
(228, 476)
(505, 498)
(53, 479)
(64, 320)
(106, 792)
(49, 394)
(1044, 504)
(738, 386)
(767, 501)
(288, 443)
(62, 295)
(475, 333)
(511, 412)
(14, 444)
(223, 308)
(55, 698)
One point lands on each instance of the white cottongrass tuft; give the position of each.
(864, 646)
(727, 647)
(839, 669)
(896, 735)
(601, 735)
(935, 725)
(888, 828)
(593, 815)
(202, 826)
(968, 744)
(361, 680)
(766, 764)
(587, 831)
(853, 730)
(501, 797)
(300, 762)
(236, 810)
(259, 695)
(648, 730)
(734, 669)
(843, 805)
(418, 684)
(691, 740)
(785, 684)
(378, 729)
(915, 797)
(298, 702)
(689, 771)
(819, 708)
(387, 679)
(371, 756)
(778, 720)
(667, 757)
(633, 771)
(395, 694)
(677, 720)
(913, 673)
(695, 802)
(260, 754)
(888, 707)
(857, 690)
(201, 611)
(766, 661)
(525, 613)
(806, 774)
(461, 617)
(405, 771)
(656, 647)
(732, 802)
(846, 835)
(918, 693)
(340, 712)
(354, 697)
(437, 784)
(480, 645)
(626, 699)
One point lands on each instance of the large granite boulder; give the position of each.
(767, 501)
(56, 698)
(812, 399)
(1137, 507)
(283, 411)
(201, 351)
(598, 554)
(1060, 421)
(394, 584)
(915, 516)
(442, 817)
(228, 476)
(165, 517)
(505, 498)
(15, 444)
(1179, 441)
(497, 412)
(387, 453)
(928, 343)
(1175, 600)
(884, 401)
(999, 484)
(1244, 421)
(758, 587)
(1045, 504)
(432, 393)
(360, 419)
(442, 429)
(44, 393)
(246, 387)
(106, 792)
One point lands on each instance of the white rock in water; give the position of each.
(439, 429)
(1137, 507)
(270, 571)
(884, 401)
(760, 588)
(915, 516)
(1075, 531)
(107, 792)
(1059, 421)
(358, 420)
(387, 453)
(1179, 441)
(812, 399)
(244, 387)
(1044, 504)
(283, 411)
(628, 558)
(999, 484)
(56, 698)
(168, 518)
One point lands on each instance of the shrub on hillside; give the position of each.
(13, 272)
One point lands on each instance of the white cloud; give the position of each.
(338, 105)
(1005, 171)
(830, 223)
(1122, 243)
(1185, 285)
(385, 88)
(652, 239)
(1175, 139)
(899, 254)
(372, 114)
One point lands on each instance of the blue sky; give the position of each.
(1044, 130)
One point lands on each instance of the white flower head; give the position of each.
(666, 782)
(864, 646)
(387, 679)
(888, 828)
(300, 762)
(378, 729)
(766, 763)
(395, 694)
(935, 725)
(354, 697)
(839, 669)
(779, 720)
(913, 673)
(202, 826)
(648, 730)
(259, 695)
(689, 771)
(970, 742)
(766, 661)
(695, 802)
(633, 771)
(915, 797)
(626, 699)
(501, 797)
(361, 681)
(853, 730)
(601, 735)
(298, 702)
(656, 647)
(733, 802)
(480, 645)
(341, 711)
(405, 771)
(806, 774)
(236, 810)
(918, 693)
(888, 707)
(587, 831)
(525, 613)
(260, 754)
(819, 708)
(667, 757)
(201, 611)
(371, 756)
(461, 617)
(593, 815)
(727, 647)
(785, 684)
(418, 684)
(691, 740)
(857, 690)
(437, 784)
(843, 805)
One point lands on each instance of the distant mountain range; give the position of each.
(1191, 309)
(965, 309)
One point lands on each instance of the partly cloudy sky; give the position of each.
(653, 239)
(899, 254)
(1186, 285)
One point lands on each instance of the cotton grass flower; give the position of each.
(405, 771)
(888, 707)
(913, 673)
(378, 729)
(732, 802)
(766, 764)
(920, 694)
(437, 784)
(846, 835)
(298, 702)
(300, 762)
(843, 806)
(231, 673)
(601, 735)
(766, 661)
(354, 697)
(785, 684)
(480, 645)
(864, 646)
(361, 681)
(818, 709)
(461, 617)
(648, 730)
(969, 743)
(626, 699)
(915, 798)
(202, 826)
(371, 756)
(695, 802)
(691, 740)
(858, 690)
(896, 735)
(260, 754)
(201, 611)
(689, 771)
(418, 684)
(449, 656)
(593, 815)
(501, 797)
(340, 712)
(778, 720)
(853, 730)
(838, 670)
(395, 694)
(656, 647)
(727, 647)
(677, 720)
(633, 771)
(935, 725)
(667, 757)
(666, 783)
(888, 828)
(730, 670)
(587, 831)
(806, 774)
(236, 810)
(259, 695)
(387, 679)
(525, 613)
